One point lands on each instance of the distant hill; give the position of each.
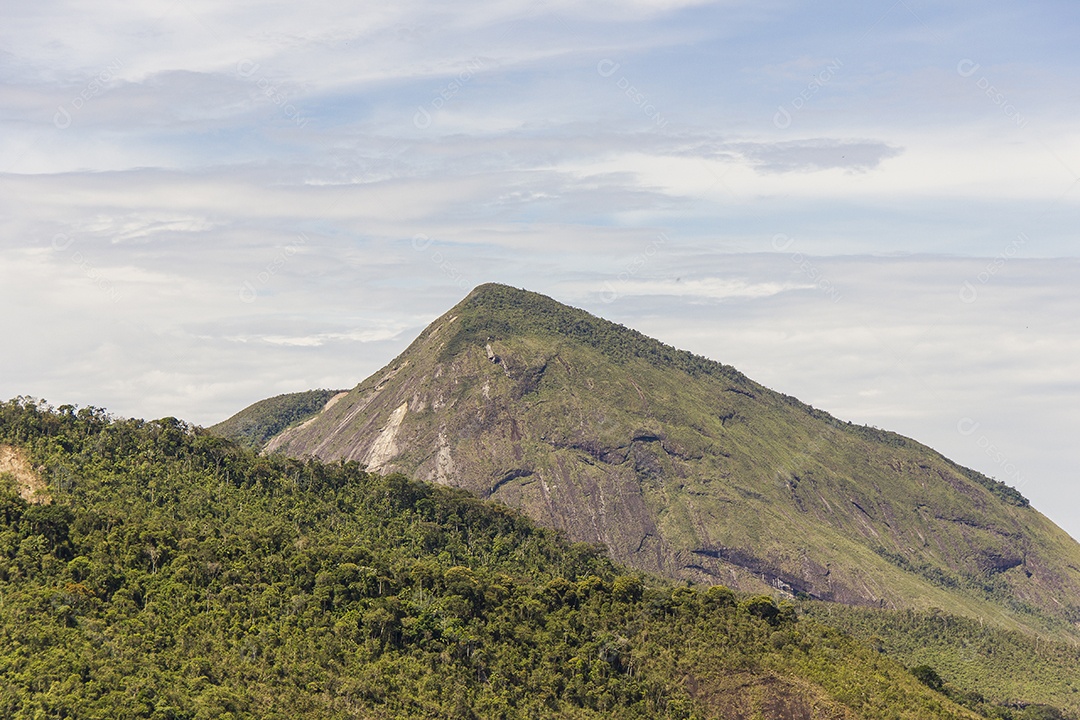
(257, 424)
(176, 574)
(684, 467)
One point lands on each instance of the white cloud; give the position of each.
(203, 204)
(696, 289)
(361, 336)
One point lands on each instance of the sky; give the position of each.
(869, 205)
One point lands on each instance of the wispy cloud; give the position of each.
(202, 204)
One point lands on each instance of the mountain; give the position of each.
(684, 467)
(171, 574)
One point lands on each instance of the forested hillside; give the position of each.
(173, 574)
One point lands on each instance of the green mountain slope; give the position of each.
(256, 424)
(984, 665)
(685, 467)
(176, 575)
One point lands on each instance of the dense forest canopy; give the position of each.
(175, 574)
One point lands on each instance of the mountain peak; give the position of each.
(685, 467)
(493, 311)
(486, 291)
(511, 309)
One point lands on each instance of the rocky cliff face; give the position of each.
(685, 467)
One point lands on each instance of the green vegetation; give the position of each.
(255, 425)
(1006, 492)
(500, 312)
(179, 575)
(999, 673)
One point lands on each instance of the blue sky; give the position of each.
(871, 206)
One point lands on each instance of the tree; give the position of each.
(928, 677)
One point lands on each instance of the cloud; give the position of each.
(360, 336)
(696, 289)
(204, 204)
(814, 155)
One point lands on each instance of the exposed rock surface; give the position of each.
(30, 486)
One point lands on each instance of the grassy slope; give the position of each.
(1006, 668)
(617, 438)
(179, 576)
(256, 424)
